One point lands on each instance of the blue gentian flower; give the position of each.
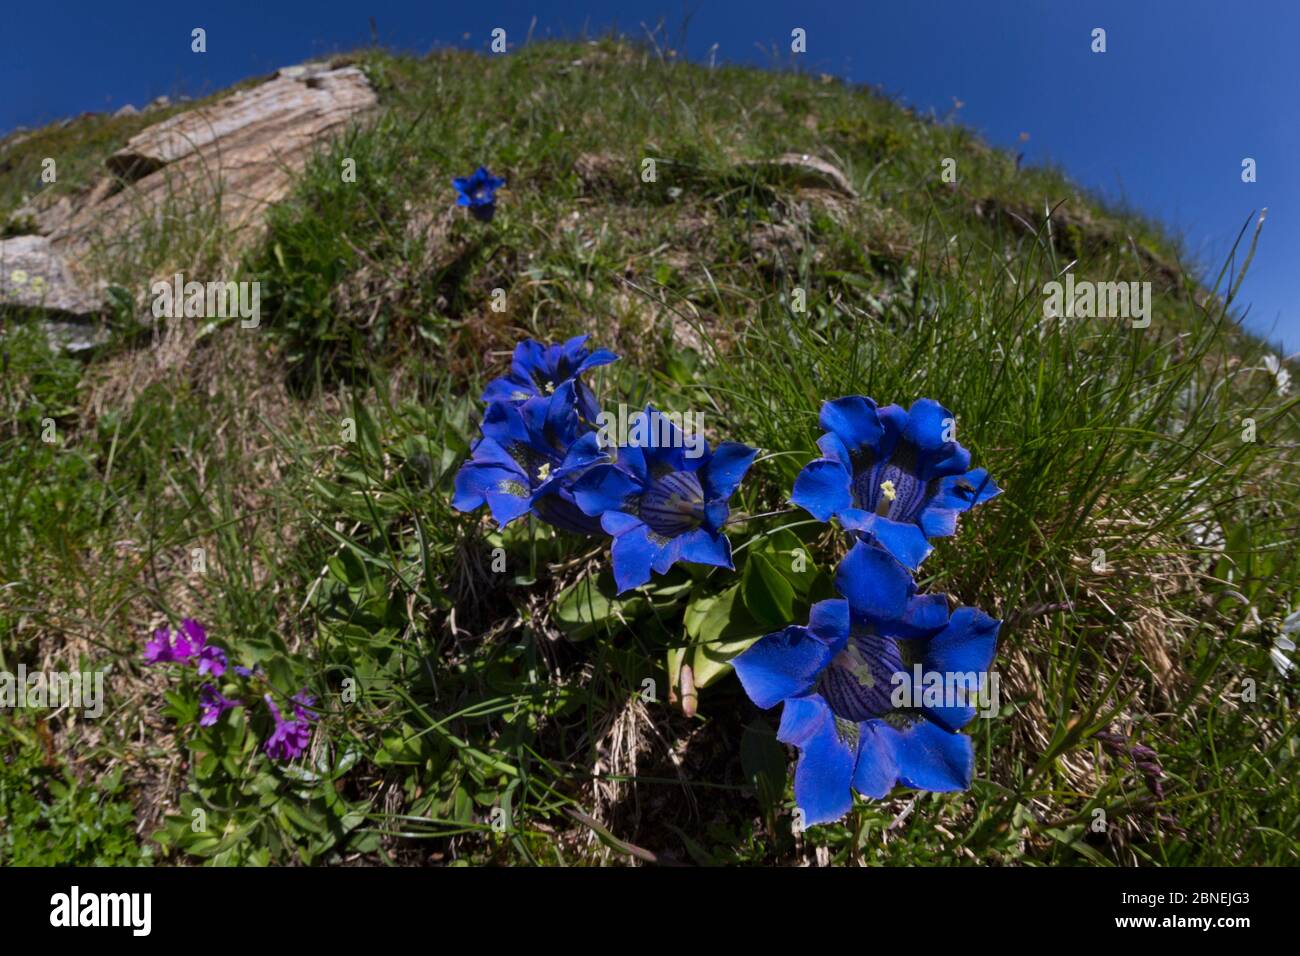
(479, 193)
(836, 679)
(527, 459)
(661, 505)
(538, 369)
(890, 475)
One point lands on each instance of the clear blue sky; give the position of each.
(1162, 120)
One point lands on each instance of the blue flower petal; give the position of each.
(937, 522)
(529, 358)
(800, 718)
(952, 459)
(832, 448)
(926, 422)
(823, 776)
(558, 510)
(925, 614)
(822, 489)
(877, 768)
(903, 539)
(561, 412)
(957, 494)
(661, 442)
(616, 522)
(476, 480)
(605, 488)
(963, 492)
(893, 419)
(507, 423)
(588, 405)
(582, 454)
(829, 623)
(854, 420)
(716, 515)
(931, 758)
(633, 553)
(489, 452)
(783, 664)
(670, 552)
(965, 647)
(722, 473)
(631, 460)
(504, 501)
(878, 588)
(508, 389)
(703, 546)
(595, 360)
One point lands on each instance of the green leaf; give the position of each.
(725, 629)
(768, 596)
(793, 558)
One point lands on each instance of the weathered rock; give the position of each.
(34, 275)
(236, 156)
(249, 146)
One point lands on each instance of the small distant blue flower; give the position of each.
(662, 506)
(890, 475)
(836, 679)
(479, 193)
(527, 459)
(538, 369)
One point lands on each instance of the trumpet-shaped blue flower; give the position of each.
(661, 505)
(891, 475)
(479, 193)
(837, 680)
(527, 459)
(538, 369)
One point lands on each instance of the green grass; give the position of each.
(455, 694)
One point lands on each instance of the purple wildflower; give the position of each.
(290, 737)
(214, 705)
(304, 706)
(179, 645)
(212, 660)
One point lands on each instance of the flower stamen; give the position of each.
(887, 495)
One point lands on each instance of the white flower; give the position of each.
(1273, 365)
(1292, 624)
(1283, 645)
(1278, 651)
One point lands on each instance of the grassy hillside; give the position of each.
(1142, 554)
